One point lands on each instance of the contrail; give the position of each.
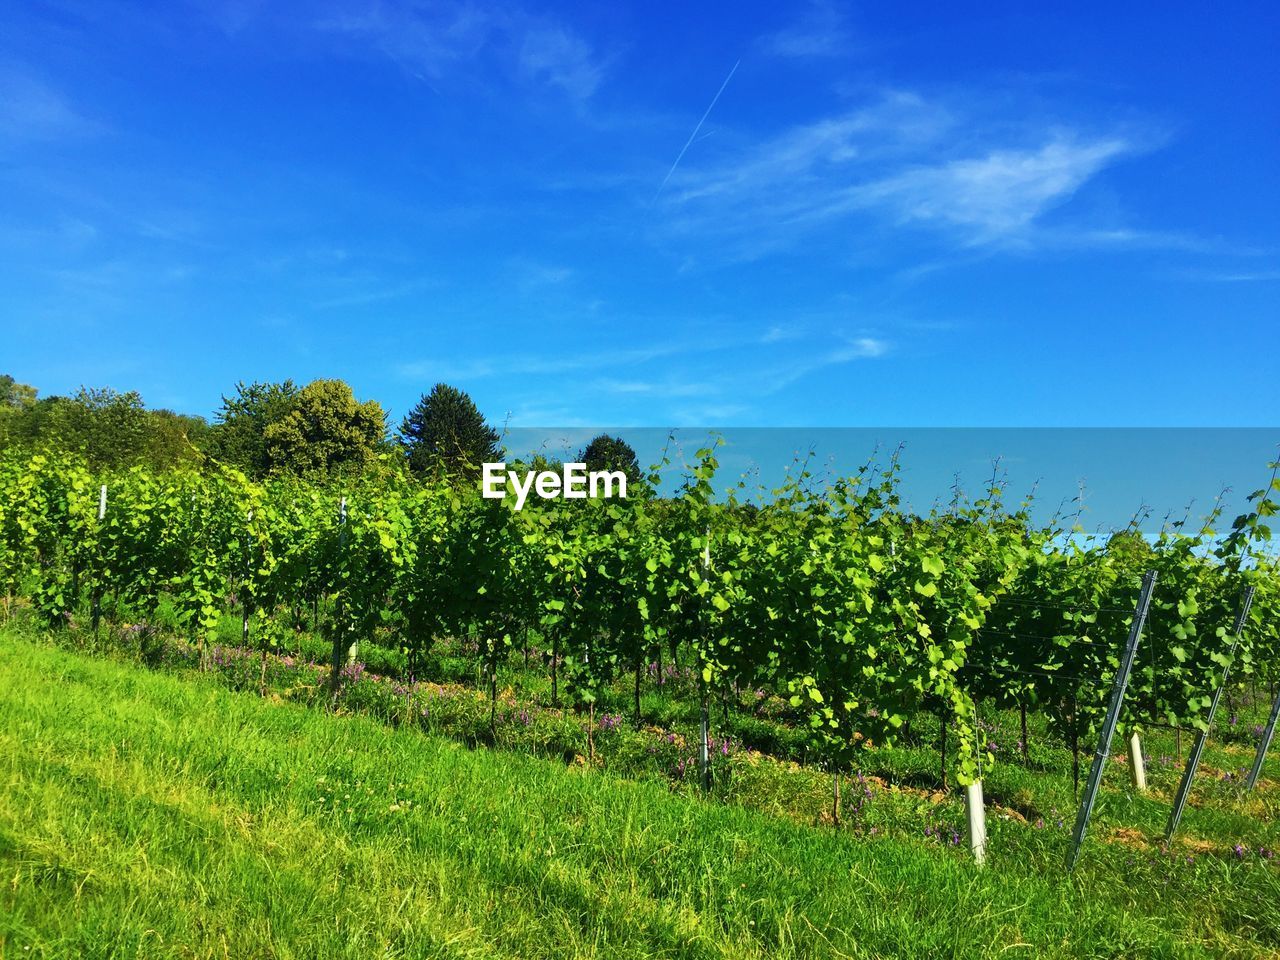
(692, 136)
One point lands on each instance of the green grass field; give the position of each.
(159, 814)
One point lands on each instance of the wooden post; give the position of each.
(341, 649)
(704, 752)
(639, 670)
(942, 760)
(555, 657)
(1022, 712)
(97, 587)
(493, 691)
(591, 733)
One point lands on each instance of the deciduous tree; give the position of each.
(327, 432)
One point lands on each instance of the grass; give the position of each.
(148, 814)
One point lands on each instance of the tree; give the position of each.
(239, 437)
(327, 432)
(175, 438)
(445, 432)
(14, 395)
(16, 402)
(612, 453)
(111, 429)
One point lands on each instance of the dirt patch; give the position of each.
(1128, 837)
(1198, 845)
(1008, 813)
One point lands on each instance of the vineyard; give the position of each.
(853, 613)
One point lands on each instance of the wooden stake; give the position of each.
(1022, 709)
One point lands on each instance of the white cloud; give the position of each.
(1233, 276)
(33, 111)
(532, 364)
(821, 31)
(562, 59)
(684, 382)
(994, 195)
(780, 376)
(900, 160)
(437, 40)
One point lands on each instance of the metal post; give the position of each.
(1113, 716)
(1267, 734)
(1197, 749)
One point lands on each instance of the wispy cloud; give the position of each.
(668, 387)
(559, 57)
(902, 160)
(437, 40)
(781, 376)
(694, 381)
(1221, 275)
(821, 31)
(994, 195)
(33, 111)
(532, 364)
(530, 275)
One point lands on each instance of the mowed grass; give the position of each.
(157, 815)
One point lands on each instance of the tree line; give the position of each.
(317, 431)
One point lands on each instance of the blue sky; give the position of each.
(651, 214)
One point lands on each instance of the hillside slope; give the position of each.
(154, 815)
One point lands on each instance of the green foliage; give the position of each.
(14, 395)
(326, 433)
(853, 610)
(445, 433)
(611, 453)
(238, 437)
(109, 429)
